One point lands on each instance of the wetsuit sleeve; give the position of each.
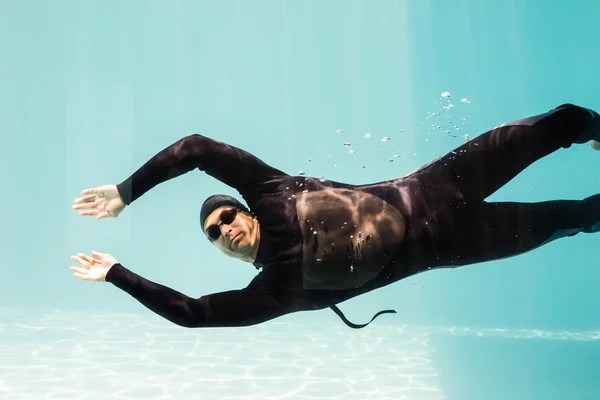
(244, 307)
(233, 166)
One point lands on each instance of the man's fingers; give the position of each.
(82, 276)
(97, 255)
(88, 212)
(88, 199)
(86, 257)
(82, 261)
(81, 273)
(78, 259)
(79, 270)
(102, 215)
(90, 191)
(86, 205)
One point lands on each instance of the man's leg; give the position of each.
(487, 162)
(498, 230)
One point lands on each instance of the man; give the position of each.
(319, 243)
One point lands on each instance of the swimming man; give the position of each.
(318, 243)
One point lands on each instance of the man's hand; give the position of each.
(94, 268)
(105, 201)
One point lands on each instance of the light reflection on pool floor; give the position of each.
(80, 355)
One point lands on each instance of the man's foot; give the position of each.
(594, 143)
(595, 126)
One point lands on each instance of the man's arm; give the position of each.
(233, 166)
(226, 309)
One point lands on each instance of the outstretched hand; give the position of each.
(93, 268)
(105, 201)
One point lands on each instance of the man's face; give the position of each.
(236, 231)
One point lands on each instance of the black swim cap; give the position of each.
(216, 201)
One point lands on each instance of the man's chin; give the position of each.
(238, 248)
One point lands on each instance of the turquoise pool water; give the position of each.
(91, 90)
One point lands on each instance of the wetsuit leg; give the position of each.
(499, 230)
(450, 223)
(486, 163)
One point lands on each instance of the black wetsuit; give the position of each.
(448, 221)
